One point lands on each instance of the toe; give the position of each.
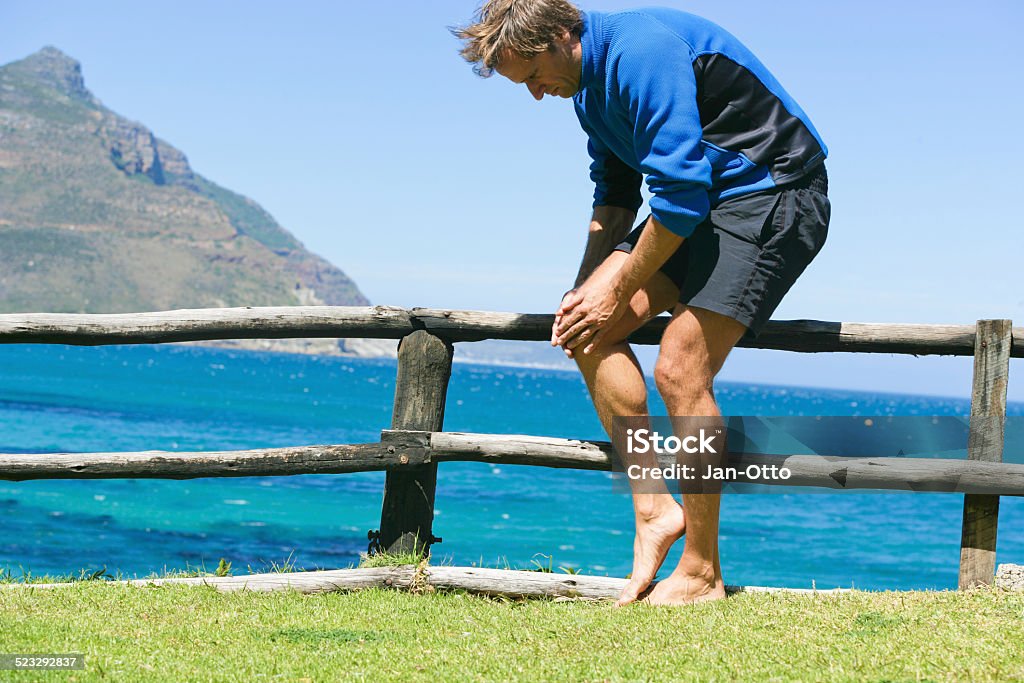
(629, 594)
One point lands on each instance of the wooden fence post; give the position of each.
(421, 387)
(988, 414)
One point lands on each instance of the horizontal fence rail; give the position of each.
(386, 322)
(401, 449)
(193, 465)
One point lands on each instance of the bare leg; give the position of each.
(617, 387)
(693, 349)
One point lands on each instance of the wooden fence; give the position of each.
(410, 451)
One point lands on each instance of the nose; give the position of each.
(536, 90)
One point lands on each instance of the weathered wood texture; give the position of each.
(505, 582)
(897, 474)
(421, 388)
(180, 465)
(919, 340)
(395, 323)
(988, 415)
(407, 450)
(269, 322)
(518, 449)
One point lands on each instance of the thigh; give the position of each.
(698, 340)
(751, 251)
(658, 295)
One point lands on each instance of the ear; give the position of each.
(562, 42)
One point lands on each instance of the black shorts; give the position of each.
(750, 250)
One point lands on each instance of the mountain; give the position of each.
(98, 214)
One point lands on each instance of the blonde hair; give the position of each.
(524, 28)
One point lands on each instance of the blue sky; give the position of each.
(359, 128)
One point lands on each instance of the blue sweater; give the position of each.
(673, 97)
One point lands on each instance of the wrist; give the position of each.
(622, 285)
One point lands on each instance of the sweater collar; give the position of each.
(594, 49)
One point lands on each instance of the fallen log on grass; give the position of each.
(495, 582)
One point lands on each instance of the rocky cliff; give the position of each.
(98, 214)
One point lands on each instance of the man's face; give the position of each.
(556, 71)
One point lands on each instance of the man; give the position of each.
(738, 210)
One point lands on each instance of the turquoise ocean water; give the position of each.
(130, 398)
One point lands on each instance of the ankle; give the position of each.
(651, 507)
(695, 566)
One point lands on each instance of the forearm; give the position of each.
(656, 244)
(608, 226)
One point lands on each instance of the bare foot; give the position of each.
(655, 535)
(684, 587)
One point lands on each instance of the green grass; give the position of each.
(389, 559)
(224, 568)
(176, 633)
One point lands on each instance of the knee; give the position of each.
(588, 364)
(681, 378)
(613, 344)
